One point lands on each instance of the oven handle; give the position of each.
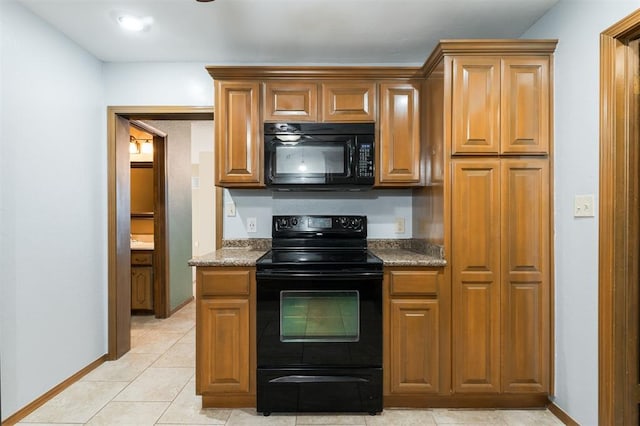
(318, 379)
(321, 275)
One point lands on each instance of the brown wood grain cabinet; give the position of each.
(500, 104)
(415, 334)
(500, 280)
(349, 101)
(290, 101)
(238, 134)
(492, 116)
(142, 280)
(399, 145)
(225, 336)
(475, 256)
(525, 217)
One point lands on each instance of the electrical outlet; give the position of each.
(399, 225)
(230, 209)
(583, 206)
(251, 225)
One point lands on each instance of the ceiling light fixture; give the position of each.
(134, 23)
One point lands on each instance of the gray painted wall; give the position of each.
(53, 208)
(577, 25)
(179, 207)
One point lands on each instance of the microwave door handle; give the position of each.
(350, 160)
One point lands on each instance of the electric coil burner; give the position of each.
(319, 318)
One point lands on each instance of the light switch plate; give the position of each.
(584, 206)
(399, 225)
(230, 209)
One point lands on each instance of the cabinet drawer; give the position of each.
(141, 258)
(414, 282)
(220, 283)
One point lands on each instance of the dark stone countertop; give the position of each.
(392, 252)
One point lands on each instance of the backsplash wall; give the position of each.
(381, 207)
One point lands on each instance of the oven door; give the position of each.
(319, 319)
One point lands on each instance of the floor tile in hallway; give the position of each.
(154, 384)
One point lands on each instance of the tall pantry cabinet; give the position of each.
(495, 125)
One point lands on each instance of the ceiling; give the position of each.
(233, 32)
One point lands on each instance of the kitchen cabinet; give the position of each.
(238, 134)
(501, 281)
(225, 336)
(247, 97)
(337, 101)
(348, 101)
(399, 145)
(500, 104)
(142, 280)
(416, 337)
(488, 128)
(290, 101)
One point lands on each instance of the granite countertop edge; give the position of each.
(407, 252)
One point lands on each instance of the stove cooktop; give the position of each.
(320, 259)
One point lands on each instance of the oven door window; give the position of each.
(319, 316)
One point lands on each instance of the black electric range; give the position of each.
(319, 318)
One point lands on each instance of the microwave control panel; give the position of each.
(365, 160)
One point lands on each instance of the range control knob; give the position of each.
(283, 223)
(344, 222)
(294, 221)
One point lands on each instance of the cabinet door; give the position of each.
(524, 105)
(348, 101)
(223, 364)
(475, 262)
(415, 341)
(290, 101)
(525, 276)
(238, 136)
(475, 105)
(142, 287)
(400, 162)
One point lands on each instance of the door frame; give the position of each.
(119, 267)
(618, 276)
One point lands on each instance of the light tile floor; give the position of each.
(154, 384)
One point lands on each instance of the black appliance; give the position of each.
(319, 156)
(319, 318)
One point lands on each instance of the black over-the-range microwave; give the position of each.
(319, 156)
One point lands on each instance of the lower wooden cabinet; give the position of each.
(142, 280)
(500, 276)
(416, 336)
(225, 336)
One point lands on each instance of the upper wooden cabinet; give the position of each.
(475, 112)
(290, 101)
(399, 147)
(336, 101)
(500, 105)
(349, 101)
(525, 105)
(238, 136)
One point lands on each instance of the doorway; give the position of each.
(119, 266)
(148, 209)
(619, 233)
